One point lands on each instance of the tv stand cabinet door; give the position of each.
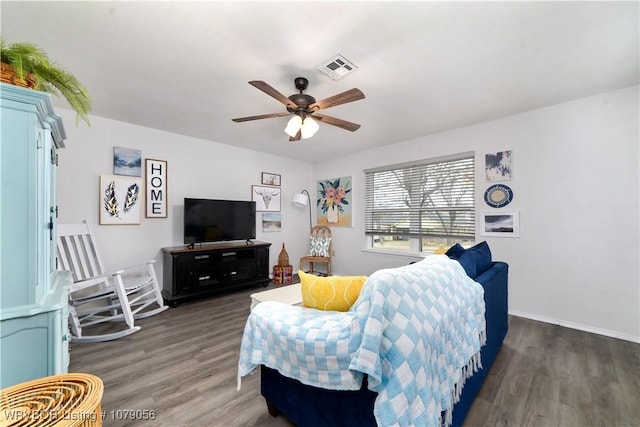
(204, 273)
(262, 263)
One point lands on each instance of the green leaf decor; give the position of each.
(28, 61)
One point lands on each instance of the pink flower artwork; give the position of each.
(334, 201)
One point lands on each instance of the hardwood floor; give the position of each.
(547, 375)
(182, 367)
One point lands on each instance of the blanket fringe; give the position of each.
(467, 371)
(253, 372)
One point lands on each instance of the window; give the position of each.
(421, 206)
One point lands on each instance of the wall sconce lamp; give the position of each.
(301, 200)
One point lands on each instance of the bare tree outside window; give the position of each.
(421, 207)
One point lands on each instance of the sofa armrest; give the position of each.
(498, 268)
(496, 297)
(311, 345)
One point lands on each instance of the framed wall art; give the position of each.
(267, 198)
(271, 222)
(334, 202)
(498, 195)
(500, 224)
(120, 200)
(156, 188)
(498, 166)
(271, 179)
(127, 161)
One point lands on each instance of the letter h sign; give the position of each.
(156, 188)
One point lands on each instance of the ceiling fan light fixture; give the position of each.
(293, 126)
(309, 128)
(302, 106)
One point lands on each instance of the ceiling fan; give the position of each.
(304, 108)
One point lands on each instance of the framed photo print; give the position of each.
(499, 224)
(271, 179)
(267, 198)
(156, 188)
(127, 161)
(271, 222)
(120, 200)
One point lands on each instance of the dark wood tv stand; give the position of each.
(210, 269)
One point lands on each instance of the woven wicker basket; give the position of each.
(8, 75)
(67, 400)
(283, 258)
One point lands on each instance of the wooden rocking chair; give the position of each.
(97, 296)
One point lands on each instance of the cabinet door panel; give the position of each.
(34, 297)
(182, 265)
(18, 202)
(241, 271)
(262, 263)
(207, 277)
(31, 336)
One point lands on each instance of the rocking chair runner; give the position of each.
(97, 296)
(320, 248)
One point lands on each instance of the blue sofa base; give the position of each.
(311, 406)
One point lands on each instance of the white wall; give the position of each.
(196, 168)
(576, 185)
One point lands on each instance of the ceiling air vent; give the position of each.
(337, 67)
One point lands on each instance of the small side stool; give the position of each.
(283, 275)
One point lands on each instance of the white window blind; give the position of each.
(430, 198)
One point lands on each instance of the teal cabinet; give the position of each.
(33, 294)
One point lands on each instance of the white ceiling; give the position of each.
(424, 67)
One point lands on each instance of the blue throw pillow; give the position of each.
(468, 261)
(482, 255)
(475, 260)
(455, 251)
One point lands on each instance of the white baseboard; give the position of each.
(578, 326)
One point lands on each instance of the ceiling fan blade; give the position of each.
(337, 122)
(296, 138)
(339, 99)
(263, 116)
(266, 88)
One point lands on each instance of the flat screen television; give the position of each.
(207, 220)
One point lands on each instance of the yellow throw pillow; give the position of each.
(336, 293)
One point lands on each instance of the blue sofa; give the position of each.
(305, 405)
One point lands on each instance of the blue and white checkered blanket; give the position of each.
(416, 331)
